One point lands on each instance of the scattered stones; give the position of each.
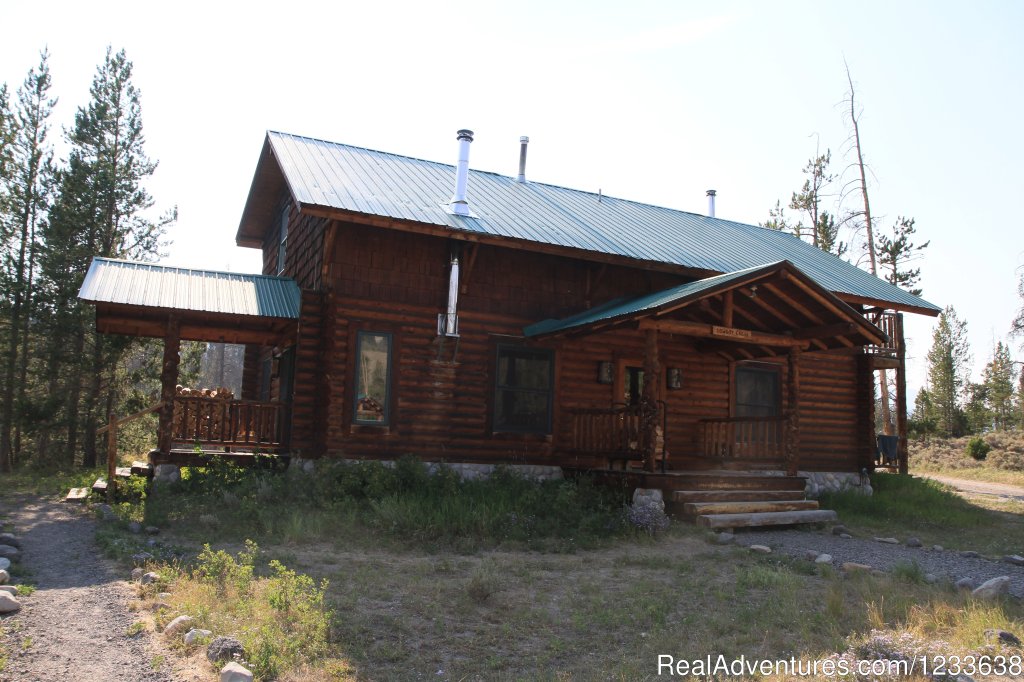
(10, 551)
(166, 474)
(823, 559)
(853, 567)
(964, 584)
(5, 577)
(5, 563)
(137, 574)
(937, 548)
(761, 548)
(913, 542)
(150, 577)
(1015, 559)
(8, 603)
(151, 530)
(839, 529)
(1003, 637)
(811, 554)
(931, 578)
(10, 539)
(158, 606)
(234, 672)
(9, 589)
(224, 649)
(888, 541)
(846, 536)
(178, 624)
(195, 636)
(724, 538)
(163, 595)
(134, 527)
(991, 589)
(142, 557)
(106, 512)
(969, 554)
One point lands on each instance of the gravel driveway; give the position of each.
(944, 564)
(74, 626)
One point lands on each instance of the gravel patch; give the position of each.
(73, 627)
(945, 564)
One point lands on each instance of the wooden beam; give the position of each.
(902, 454)
(805, 311)
(168, 381)
(727, 308)
(330, 235)
(786, 319)
(722, 333)
(467, 269)
(793, 413)
(825, 331)
(652, 395)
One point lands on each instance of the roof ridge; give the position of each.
(188, 269)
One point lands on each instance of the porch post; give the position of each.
(651, 396)
(901, 397)
(168, 381)
(793, 413)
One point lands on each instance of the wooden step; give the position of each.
(141, 468)
(734, 495)
(780, 518)
(123, 472)
(77, 495)
(747, 507)
(720, 481)
(100, 486)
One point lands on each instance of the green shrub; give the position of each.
(977, 448)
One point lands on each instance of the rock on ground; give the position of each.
(224, 649)
(8, 603)
(178, 624)
(233, 672)
(194, 636)
(5, 577)
(78, 616)
(990, 589)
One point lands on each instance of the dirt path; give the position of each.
(74, 626)
(964, 485)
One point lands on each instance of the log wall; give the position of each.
(442, 393)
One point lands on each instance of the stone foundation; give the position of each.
(819, 482)
(466, 471)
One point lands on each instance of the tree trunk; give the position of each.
(92, 398)
(74, 395)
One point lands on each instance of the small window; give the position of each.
(282, 242)
(373, 379)
(523, 390)
(757, 391)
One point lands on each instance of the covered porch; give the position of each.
(736, 401)
(179, 304)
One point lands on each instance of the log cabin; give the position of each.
(410, 307)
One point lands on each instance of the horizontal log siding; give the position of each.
(442, 391)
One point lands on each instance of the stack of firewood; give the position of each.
(200, 418)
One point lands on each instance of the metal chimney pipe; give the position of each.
(711, 203)
(452, 317)
(459, 203)
(523, 141)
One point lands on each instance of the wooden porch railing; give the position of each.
(619, 432)
(229, 423)
(111, 430)
(745, 437)
(889, 323)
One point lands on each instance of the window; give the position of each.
(373, 379)
(757, 391)
(633, 385)
(282, 242)
(523, 390)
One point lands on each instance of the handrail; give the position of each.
(618, 431)
(246, 423)
(111, 429)
(755, 437)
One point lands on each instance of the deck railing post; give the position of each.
(793, 413)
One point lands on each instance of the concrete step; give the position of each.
(734, 495)
(100, 486)
(778, 518)
(77, 495)
(141, 468)
(747, 507)
(123, 472)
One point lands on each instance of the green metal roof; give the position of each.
(621, 310)
(354, 179)
(161, 286)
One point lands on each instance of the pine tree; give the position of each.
(998, 379)
(897, 251)
(100, 211)
(808, 199)
(948, 364)
(1017, 326)
(29, 185)
(777, 219)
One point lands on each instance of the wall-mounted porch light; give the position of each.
(674, 378)
(605, 372)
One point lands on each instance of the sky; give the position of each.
(649, 101)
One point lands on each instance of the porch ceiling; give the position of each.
(744, 314)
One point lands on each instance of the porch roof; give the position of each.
(770, 305)
(137, 299)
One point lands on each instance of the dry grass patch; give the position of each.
(1004, 462)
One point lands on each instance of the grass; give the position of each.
(903, 506)
(1004, 462)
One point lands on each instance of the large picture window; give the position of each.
(757, 391)
(523, 390)
(373, 379)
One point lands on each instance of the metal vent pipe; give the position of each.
(459, 203)
(523, 141)
(711, 203)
